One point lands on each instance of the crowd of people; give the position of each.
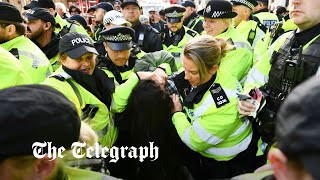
(229, 91)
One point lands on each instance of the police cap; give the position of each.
(40, 4)
(75, 45)
(174, 13)
(40, 13)
(188, 4)
(218, 9)
(118, 38)
(103, 5)
(35, 113)
(10, 13)
(128, 2)
(249, 3)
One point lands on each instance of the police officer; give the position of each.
(191, 19)
(100, 10)
(11, 71)
(146, 37)
(244, 22)
(218, 23)
(262, 14)
(120, 63)
(63, 26)
(12, 29)
(207, 121)
(40, 29)
(90, 88)
(176, 35)
(290, 60)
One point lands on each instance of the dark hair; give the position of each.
(148, 119)
(148, 108)
(20, 27)
(280, 10)
(72, 7)
(161, 12)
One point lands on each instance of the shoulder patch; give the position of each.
(192, 33)
(219, 96)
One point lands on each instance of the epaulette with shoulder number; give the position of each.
(219, 96)
(61, 77)
(192, 33)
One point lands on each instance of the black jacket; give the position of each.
(149, 40)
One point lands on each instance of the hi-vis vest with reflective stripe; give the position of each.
(239, 60)
(101, 123)
(250, 31)
(267, 19)
(33, 60)
(216, 133)
(176, 51)
(11, 72)
(259, 74)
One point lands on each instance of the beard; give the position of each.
(35, 35)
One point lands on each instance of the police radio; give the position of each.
(293, 72)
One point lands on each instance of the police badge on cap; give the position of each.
(75, 45)
(218, 9)
(118, 38)
(174, 13)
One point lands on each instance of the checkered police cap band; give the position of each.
(215, 14)
(247, 3)
(174, 14)
(118, 38)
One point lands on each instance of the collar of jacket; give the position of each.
(106, 62)
(99, 84)
(196, 95)
(188, 19)
(52, 48)
(302, 38)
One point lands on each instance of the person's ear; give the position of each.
(11, 29)
(47, 25)
(214, 69)
(52, 11)
(279, 162)
(45, 167)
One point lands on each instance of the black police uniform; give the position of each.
(147, 38)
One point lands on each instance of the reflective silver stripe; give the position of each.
(73, 28)
(206, 104)
(256, 76)
(231, 93)
(204, 135)
(242, 45)
(231, 151)
(318, 72)
(209, 101)
(186, 138)
(36, 59)
(241, 129)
